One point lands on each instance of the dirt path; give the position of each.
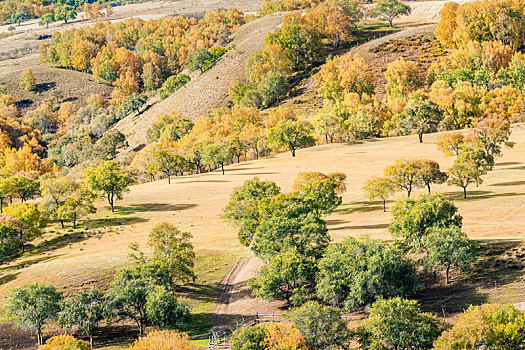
(236, 300)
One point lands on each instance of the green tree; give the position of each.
(271, 89)
(216, 154)
(172, 84)
(290, 133)
(422, 116)
(321, 192)
(198, 59)
(412, 219)
(168, 163)
(46, 19)
(33, 306)
(55, 191)
(130, 289)
(243, 207)
(355, 273)
(29, 221)
(248, 338)
(108, 179)
(379, 188)
(165, 310)
(85, 310)
(390, 10)
(78, 204)
(321, 326)
(65, 13)
(288, 275)
(27, 80)
(170, 127)
(8, 240)
(405, 174)
(448, 248)
(467, 169)
(173, 252)
(398, 324)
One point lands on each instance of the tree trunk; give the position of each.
(292, 149)
(169, 180)
(75, 221)
(420, 137)
(222, 167)
(39, 336)
(384, 206)
(464, 192)
(110, 200)
(91, 340)
(428, 186)
(446, 275)
(62, 223)
(409, 191)
(1, 205)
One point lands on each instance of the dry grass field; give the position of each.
(492, 213)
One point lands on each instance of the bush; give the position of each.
(249, 338)
(172, 84)
(162, 340)
(64, 342)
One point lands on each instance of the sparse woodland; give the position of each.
(58, 162)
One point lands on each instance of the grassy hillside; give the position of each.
(492, 213)
(209, 90)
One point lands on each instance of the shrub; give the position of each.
(64, 342)
(162, 340)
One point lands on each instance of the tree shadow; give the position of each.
(27, 263)
(479, 195)
(8, 277)
(43, 87)
(510, 183)
(199, 291)
(24, 103)
(500, 263)
(155, 207)
(360, 227)
(360, 207)
(507, 163)
(105, 222)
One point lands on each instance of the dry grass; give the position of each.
(493, 211)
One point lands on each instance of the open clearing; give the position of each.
(493, 212)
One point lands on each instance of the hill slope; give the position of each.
(493, 211)
(209, 90)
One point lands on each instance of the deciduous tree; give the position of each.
(379, 188)
(108, 179)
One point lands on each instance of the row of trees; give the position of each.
(144, 293)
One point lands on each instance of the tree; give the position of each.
(172, 84)
(403, 77)
(216, 154)
(390, 10)
(69, 342)
(447, 23)
(293, 134)
(468, 168)
(321, 192)
(271, 88)
(173, 251)
(448, 248)
(484, 326)
(450, 142)
(108, 179)
(46, 19)
(29, 222)
(168, 340)
(80, 203)
(413, 219)
(421, 116)
(398, 324)
(167, 163)
(33, 305)
(243, 207)
(248, 338)
(108, 145)
(27, 80)
(85, 310)
(321, 326)
(379, 188)
(283, 335)
(287, 276)
(405, 174)
(491, 135)
(55, 191)
(171, 127)
(130, 289)
(430, 174)
(65, 13)
(165, 309)
(6, 191)
(197, 60)
(8, 239)
(355, 273)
